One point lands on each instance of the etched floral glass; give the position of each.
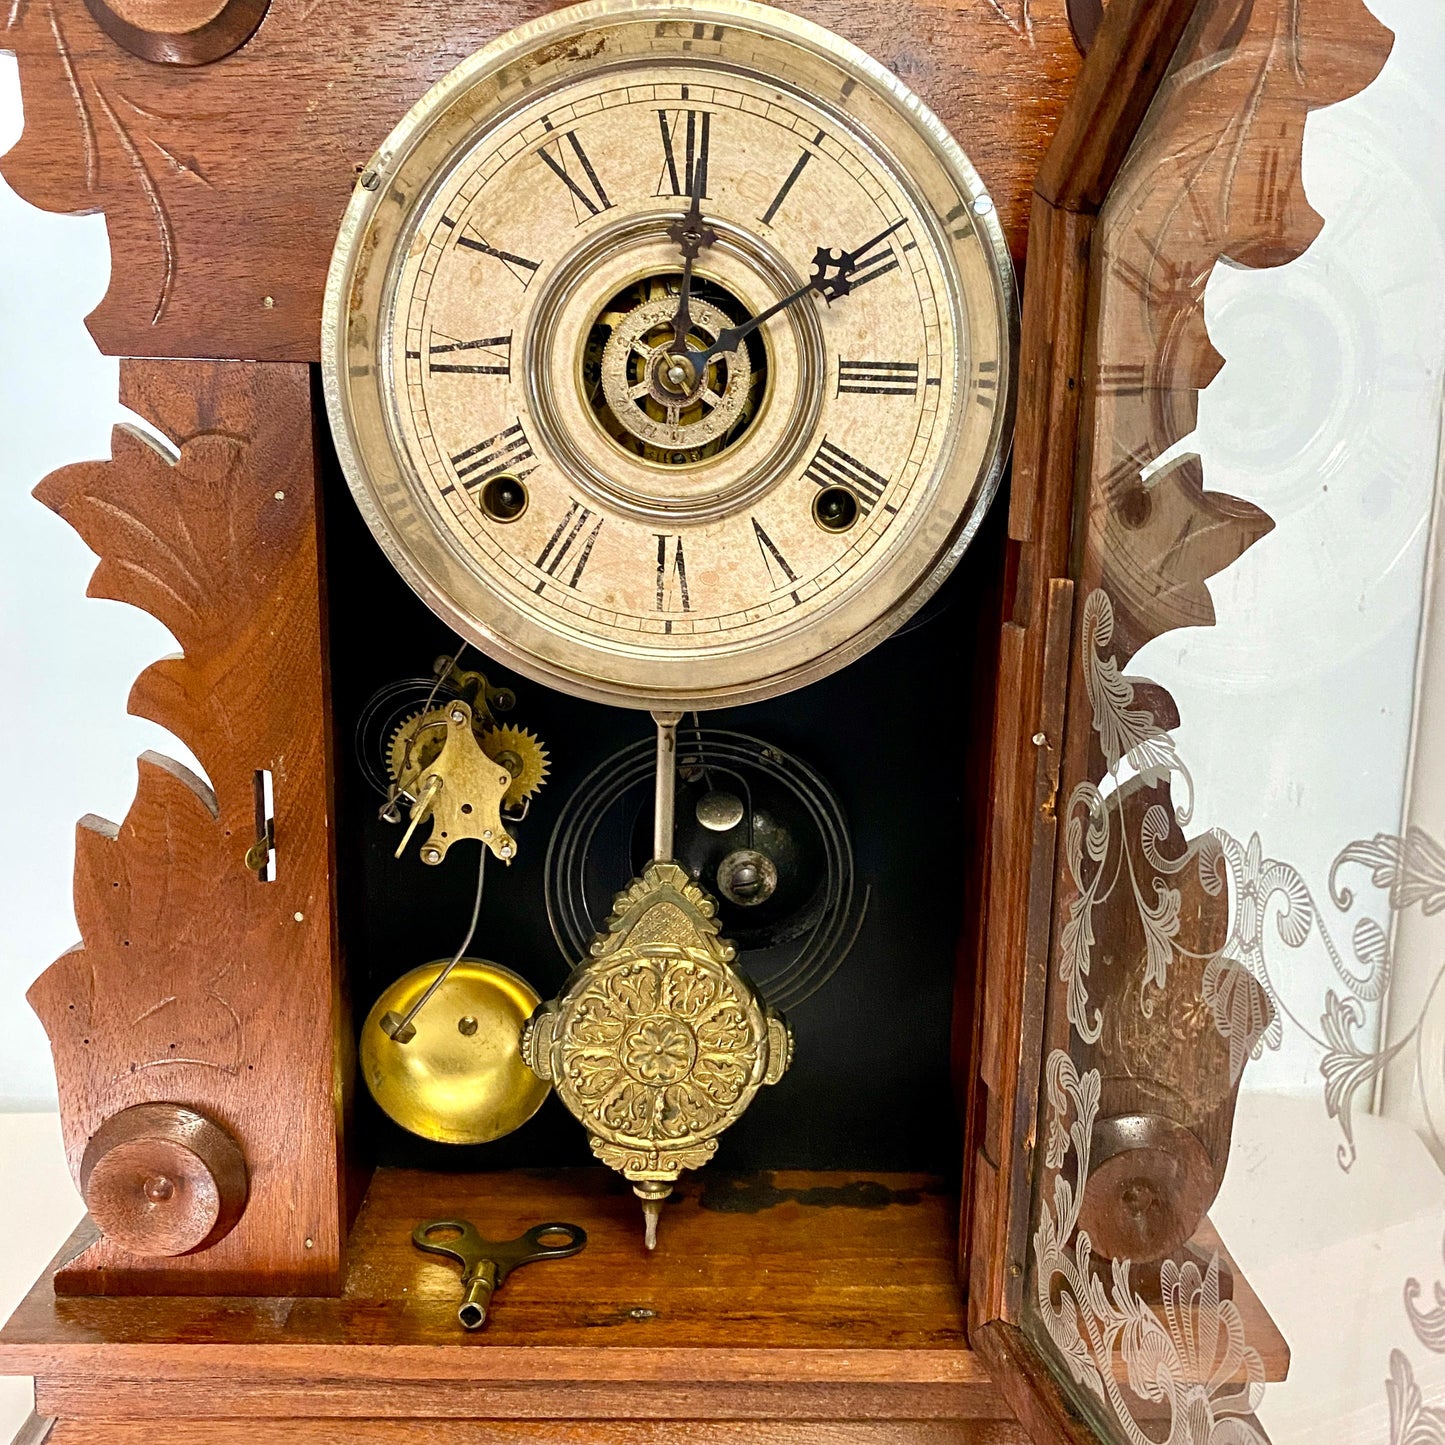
(1239, 1202)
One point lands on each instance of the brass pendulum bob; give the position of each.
(657, 1044)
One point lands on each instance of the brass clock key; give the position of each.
(486, 1263)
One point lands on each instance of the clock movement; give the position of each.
(646, 360)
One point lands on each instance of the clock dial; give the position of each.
(671, 361)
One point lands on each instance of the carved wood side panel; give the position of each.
(223, 185)
(197, 983)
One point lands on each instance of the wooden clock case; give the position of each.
(222, 155)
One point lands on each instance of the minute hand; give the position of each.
(831, 279)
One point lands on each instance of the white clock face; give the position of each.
(671, 360)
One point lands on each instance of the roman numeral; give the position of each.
(773, 560)
(570, 546)
(519, 266)
(1270, 197)
(490, 355)
(960, 222)
(985, 384)
(501, 453)
(877, 378)
(833, 467)
(694, 127)
(1161, 284)
(1121, 379)
(789, 182)
(570, 160)
(671, 575)
(667, 29)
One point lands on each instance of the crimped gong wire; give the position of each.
(736, 755)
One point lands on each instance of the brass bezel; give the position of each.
(357, 386)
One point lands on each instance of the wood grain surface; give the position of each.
(1030, 1388)
(179, 32)
(549, 1432)
(163, 1179)
(805, 1296)
(223, 186)
(196, 984)
(1031, 670)
(1128, 56)
(545, 1432)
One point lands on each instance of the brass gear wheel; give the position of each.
(416, 744)
(523, 755)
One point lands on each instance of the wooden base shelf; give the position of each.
(555, 1432)
(796, 1308)
(798, 1297)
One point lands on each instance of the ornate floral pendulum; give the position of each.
(658, 1043)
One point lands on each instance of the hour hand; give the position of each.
(691, 234)
(833, 276)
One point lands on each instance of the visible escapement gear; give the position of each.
(522, 754)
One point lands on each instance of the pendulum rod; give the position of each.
(665, 802)
(653, 1191)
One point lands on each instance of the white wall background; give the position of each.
(66, 662)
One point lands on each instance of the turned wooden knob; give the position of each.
(179, 32)
(161, 1179)
(1150, 1182)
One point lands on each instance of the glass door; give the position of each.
(1238, 1198)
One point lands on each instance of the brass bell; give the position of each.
(455, 1074)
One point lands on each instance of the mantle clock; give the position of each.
(522, 371)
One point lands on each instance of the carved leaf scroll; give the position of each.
(1215, 175)
(196, 983)
(223, 185)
